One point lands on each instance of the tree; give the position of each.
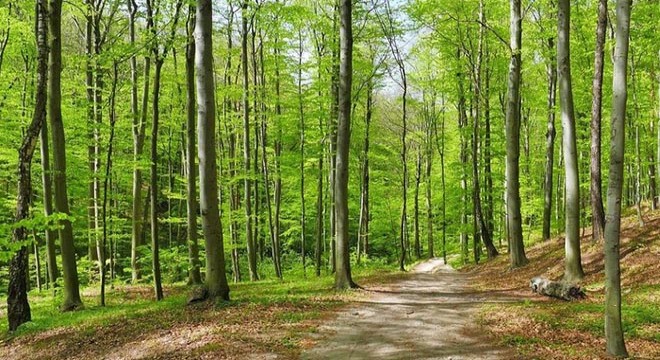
(597, 211)
(216, 279)
(18, 308)
(247, 182)
(139, 131)
(343, 278)
(573, 262)
(613, 328)
(194, 276)
(514, 220)
(159, 53)
(551, 70)
(72, 299)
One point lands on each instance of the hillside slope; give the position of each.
(545, 328)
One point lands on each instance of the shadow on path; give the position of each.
(428, 315)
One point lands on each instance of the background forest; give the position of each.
(428, 134)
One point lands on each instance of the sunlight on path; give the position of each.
(429, 315)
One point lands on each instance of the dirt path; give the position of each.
(428, 315)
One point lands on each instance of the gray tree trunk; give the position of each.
(71, 299)
(613, 327)
(598, 213)
(194, 276)
(343, 278)
(572, 262)
(216, 279)
(51, 235)
(514, 220)
(139, 127)
(551, 69)
(247, 182)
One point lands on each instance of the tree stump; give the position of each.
(557, 289)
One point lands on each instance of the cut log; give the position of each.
(557, 289)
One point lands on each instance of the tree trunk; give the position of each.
(51, 235)
(572, 263)
(364, 193)
(139, 126)
(106, 179)
(247, 182)
(551, 70)
(155, 263)
(194, 276)
(18, 308)
(320, 223)
(598, 213)
(430, 119)
(613, 327)
(334, 115)
(418, 180)
(343, 278)
(514, 221)
(301, 116)
(72, 299)
(216, 279)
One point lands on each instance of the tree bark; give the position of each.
(247, 182)
(364, 193)
(71, 299)
(613, 327)
(139, 127)
(155, 252)
(343, 278)
(514, 222)
(18, 308)
(598, 213)
(194, 276)
(301, 116)
(551, 70)
(572, 262)
(51, 235)
(418, 180)
(216, 279)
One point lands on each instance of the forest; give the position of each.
(274, 178)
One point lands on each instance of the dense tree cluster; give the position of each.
(295, 133)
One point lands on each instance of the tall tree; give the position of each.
(216, 279)
(551, 71)
(573, 262)
(194, 276)
(514, 219)
(18, 308)
(139, 131)
(613, 328)
(159, 52)
(72, 299)
(343, 278)
(597, 211)
(247, 182)
(47, 182)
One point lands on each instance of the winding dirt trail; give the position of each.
(428, 315)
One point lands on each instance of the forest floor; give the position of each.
(543, 328)
(479, 312)
(428, 314)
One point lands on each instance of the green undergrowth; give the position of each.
(126, 303)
